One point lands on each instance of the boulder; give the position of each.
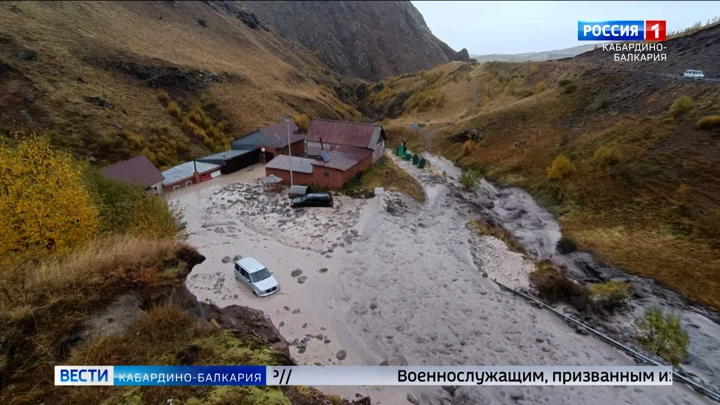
(296, 273)
(27, 55)
(341, 355)
(226, 259)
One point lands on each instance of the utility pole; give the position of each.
(289, 145)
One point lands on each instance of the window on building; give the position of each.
(326, 174)
(187, 183)
(176, 187)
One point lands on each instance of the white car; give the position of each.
(256, 276)
(694, 74)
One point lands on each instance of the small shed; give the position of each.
(184, 175)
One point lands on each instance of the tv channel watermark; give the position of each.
(641, 40)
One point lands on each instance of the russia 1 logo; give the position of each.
(655, 30)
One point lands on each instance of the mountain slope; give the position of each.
(366, 39)
(91, 72)
(535, 56)
(645, 194)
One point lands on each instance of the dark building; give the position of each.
(233, 160)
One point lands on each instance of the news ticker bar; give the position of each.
(360, 375)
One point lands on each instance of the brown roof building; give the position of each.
(274, 139)
(324, 133)
(137, 170)
(335, 151)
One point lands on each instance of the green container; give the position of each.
(401, 151)
(408, 155)
(397, 150)
(415, 160)
(421, 163)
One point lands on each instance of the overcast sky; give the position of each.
(485, 27)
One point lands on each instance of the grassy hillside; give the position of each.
(89, 74)
(645, 190)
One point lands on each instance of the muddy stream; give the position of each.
(390, 281)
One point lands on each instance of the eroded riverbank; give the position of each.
(538, 231)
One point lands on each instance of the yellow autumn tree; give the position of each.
(44, 208)
(560, 167)
(302, 121)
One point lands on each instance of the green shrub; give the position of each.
(564, 82)
(570, 88)
(663, 335)
(469, 179)
(607, 156)
(610, 296)
(709, 122)
(553, 285)
(540, 87)
(127, 209)
(681, 105)
(560, 167)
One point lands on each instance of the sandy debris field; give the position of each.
(392, 281)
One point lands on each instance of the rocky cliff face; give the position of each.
(367, 39)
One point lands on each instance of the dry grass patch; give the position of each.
(45, 304)
(384, 173)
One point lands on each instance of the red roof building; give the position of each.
(335, 151)
(137, 170)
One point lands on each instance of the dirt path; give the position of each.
(403, 288)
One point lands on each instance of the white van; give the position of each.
(695, 74)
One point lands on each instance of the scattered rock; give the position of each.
(27, 55)
(546, 349)
(450, 389)
(581, 330)
(281, 324)
(517, 397)
(326, 341)
(540, 340)
(100, 101)
(15, 9)
(29, 98)
(302, 279)
(304, 325)
(202, 22)
(296, 311)
(237, 257)
(226, 259)
(413, 399)
(323, 270)
(319, 336)
(296, 273)
(341, 355)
